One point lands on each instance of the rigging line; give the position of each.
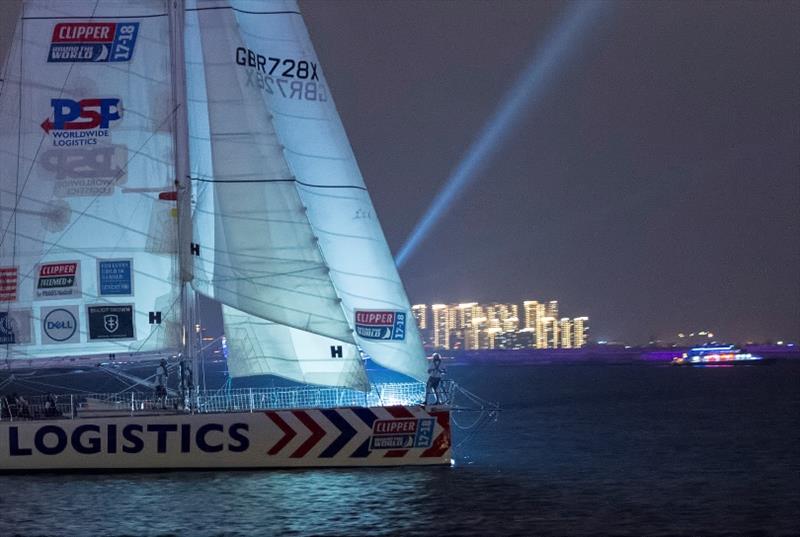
(19, 151)
(19, 127)
(367, 276)
(155, 331)
(51, 386)
(124, 381)
(310, 185)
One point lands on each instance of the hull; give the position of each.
(301, 438)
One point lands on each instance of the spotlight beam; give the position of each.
(529, 87)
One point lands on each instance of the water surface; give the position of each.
(578, 450)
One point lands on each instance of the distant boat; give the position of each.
(721, 355)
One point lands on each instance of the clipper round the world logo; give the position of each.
(389, 325)
(93, 41)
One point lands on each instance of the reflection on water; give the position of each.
(579, 450)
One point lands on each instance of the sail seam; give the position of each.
(211, 8)
(310, 185)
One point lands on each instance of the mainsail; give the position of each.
(87, 234)
(283, 232)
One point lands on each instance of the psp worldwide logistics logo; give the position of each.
(93, 42)
(84, 122)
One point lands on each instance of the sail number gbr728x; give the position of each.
(293, 79)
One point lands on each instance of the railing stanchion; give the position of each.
(252, 401)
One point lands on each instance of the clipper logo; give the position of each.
(389, 325)
(93, 42)
(83, 122)
(402, 433)
(58, 280)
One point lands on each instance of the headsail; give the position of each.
(87, 232)
(256, 250)
(278, 59)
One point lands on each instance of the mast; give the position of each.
(183, 187)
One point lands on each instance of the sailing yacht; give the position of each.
(154, 151)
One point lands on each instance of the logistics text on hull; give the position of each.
(355, 436)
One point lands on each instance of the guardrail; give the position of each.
(238, 400)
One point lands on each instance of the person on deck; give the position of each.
(435, 374)
(50, 408)
(162, 375)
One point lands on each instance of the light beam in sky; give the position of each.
(541, 70)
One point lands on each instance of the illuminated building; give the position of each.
(549, 332)
(535, 312)
(580, 328)
(441, 326)
(470, 320)
(530, 308)
(565, 327)
(420, 312)
(552, 309)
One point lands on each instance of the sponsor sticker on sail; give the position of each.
(58, 280)
(82, 123)
(111, 321)
(115, 277)
(375, 324)
(15, 327)
(60, 325)
(93, 42)
(8, 284)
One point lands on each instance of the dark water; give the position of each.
(579, 450)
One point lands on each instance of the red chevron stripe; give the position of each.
(442, 442)
(317, 433)
(288, 433)
(396, 453)
(399, 412)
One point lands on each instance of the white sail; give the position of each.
(277, 57)
(260, 347)
(257, 251)
(87, 248)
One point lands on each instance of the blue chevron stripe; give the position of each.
(362, 451)
(368, 417)
(347, 433)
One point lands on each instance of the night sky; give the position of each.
(654, 186)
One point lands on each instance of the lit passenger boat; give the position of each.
(722, 355)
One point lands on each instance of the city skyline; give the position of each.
(652, 184)
(476, 326)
